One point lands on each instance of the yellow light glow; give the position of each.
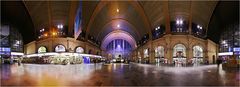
(45, 35)
(54, 33)
(117, 10)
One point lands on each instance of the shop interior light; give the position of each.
(54, 33)
(61, 54)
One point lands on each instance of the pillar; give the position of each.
(190, 19)
(167, 17)
(151, 58)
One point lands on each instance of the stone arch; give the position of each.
(61, 45)
(200, 49)
(159, 48)
(175, 51)
(78, 47)
(44, 48)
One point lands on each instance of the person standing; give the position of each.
(219, 61)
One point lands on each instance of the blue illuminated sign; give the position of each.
(4, 49)
(236, 49)
(86, 60)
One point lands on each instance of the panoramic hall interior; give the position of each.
(120, 43)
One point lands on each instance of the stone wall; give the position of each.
(169, 41)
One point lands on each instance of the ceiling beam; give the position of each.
(97, 9)
(142, 13)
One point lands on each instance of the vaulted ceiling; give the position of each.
(44, 13)
(135, 17)
(140, 17)
(99, 18)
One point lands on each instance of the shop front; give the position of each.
(159, 55)
(179, 55)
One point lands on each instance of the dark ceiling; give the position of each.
(15, 14)
(225, 14)
(135, 17)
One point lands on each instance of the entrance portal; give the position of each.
(179, 55)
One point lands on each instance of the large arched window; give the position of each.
(139, 54)
(159, 51)
(42, 49)
(146, 53)
(60, 48)
(179, 50)
(197, 51)
(79, 50)
(119, 47)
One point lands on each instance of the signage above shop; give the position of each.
(237, 49)
(225, 53)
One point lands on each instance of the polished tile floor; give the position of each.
(116, 75)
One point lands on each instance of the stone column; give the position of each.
(151, 52)
(170, 54)
(167, 17)
(190, 19)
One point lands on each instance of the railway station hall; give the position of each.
(72, 43)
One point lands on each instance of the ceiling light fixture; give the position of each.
(118, 26)
(179, 22)
(117, 10)
(60, 26)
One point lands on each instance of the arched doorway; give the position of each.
(139, 57)
(197, 55)
(159, 54)
(179, 55)
(146, 55)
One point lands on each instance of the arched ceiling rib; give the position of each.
(143, 16)
(118, 34)
(126, 11)
(44, 13)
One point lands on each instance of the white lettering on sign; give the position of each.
(236, 49)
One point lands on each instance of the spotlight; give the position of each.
(117, 10)
(60, 26)
(118, 26)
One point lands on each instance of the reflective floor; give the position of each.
(115, 75)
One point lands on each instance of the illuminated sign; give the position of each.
(79, 50)
(225, 53)
(60, 48)
(17, 53)
(236, 49)
(42, 49)
(4, 49)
